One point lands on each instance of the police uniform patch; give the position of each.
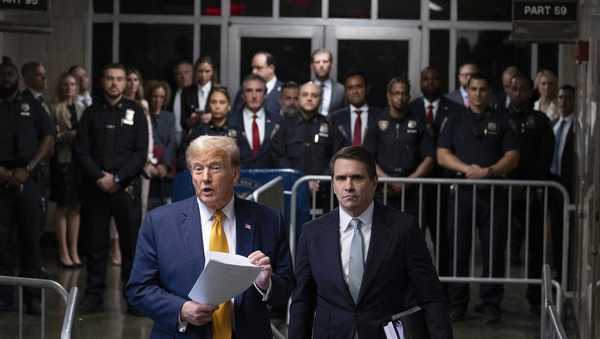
(324, 130)
(492, 128)
(383, 124)
(128, 120)
(412, 124)
(25, 107)
(232, 133)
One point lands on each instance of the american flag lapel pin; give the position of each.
(248, 226)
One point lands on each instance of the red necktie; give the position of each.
(429, 114)
(255, 137)
(356, 137)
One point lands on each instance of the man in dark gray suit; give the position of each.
(332, 98)
(461, 96)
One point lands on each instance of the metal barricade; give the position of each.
(269, 194)
(509, 186)
(69, 299)
(551, 325)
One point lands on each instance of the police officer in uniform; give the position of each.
(536, 144)
(402, 146)
(481, 143)
(112, 148)
(26, 138)
(307, 141)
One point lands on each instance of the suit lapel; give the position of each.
(191, 232)
(378, 247)
(244, 229)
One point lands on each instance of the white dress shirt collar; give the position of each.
(366, 217)
(271, 84)
(260, 121)
(363, 109)
(435, 104)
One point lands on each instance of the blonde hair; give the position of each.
(551, 77)
(219, 145)
(60, 109)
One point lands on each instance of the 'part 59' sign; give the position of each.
(544, 21)
(28, 5)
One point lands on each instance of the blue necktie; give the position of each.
(555, 168)
(356, 259)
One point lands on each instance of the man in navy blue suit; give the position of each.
(362, 263)
(263, 65)
(175, 238)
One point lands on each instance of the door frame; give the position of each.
(412, 35)
(237, 32)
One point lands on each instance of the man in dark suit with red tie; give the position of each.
(362, 263)
(355, 122)
(256, 125)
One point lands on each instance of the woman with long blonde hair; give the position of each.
(546, 84)
(65, 170)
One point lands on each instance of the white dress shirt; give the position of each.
(203, 93)
(562, 139)
(326, 93)
(228, 222)
(271, 84)
(364, 117)
(347, 232)
(260, 121)
(84, 100)
(177, 110)
(435, 105)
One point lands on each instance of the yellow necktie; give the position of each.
(221, 319)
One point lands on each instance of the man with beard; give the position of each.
(536, 144)
(26, 138)
(290, 91)
(112, 147)
(402, 147)
(332, 96)
(307, 141)
(434, 108)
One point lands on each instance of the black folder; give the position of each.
(413, 324)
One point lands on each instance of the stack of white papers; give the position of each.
(224, 276)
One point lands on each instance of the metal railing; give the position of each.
(69, 299)
(526, 187)
(270, 194)
(551, 325)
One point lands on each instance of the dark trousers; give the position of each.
(490, 294)
(20, 220)
(97, 209)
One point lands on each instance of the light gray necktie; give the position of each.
(357, 257)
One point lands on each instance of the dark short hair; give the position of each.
(321, 51)
(430, 68)
(113, 65)
(480, 76)
(356, 74)
(527, 80)
(7, 62)
(567, 87)
(182, 62)
(290, 85)
(251, 77)
(29, 67)
(219, 89)
(270, 59)
(398, 80)
(357, 153)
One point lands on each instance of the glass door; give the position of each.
(380, 52)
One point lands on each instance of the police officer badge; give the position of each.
(25, 109)
(412, 125)
(383, 124)
(324, 130)
(491, 129)
(128, 120)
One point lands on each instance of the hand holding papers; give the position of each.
(224, 276)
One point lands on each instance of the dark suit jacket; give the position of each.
(398, 275)
(164, 135)
(446, 108)
(170, 257)
(271, 103)
(341, 120)
(337, 97)
(263, 159)
(568, 162)
(189, 103)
